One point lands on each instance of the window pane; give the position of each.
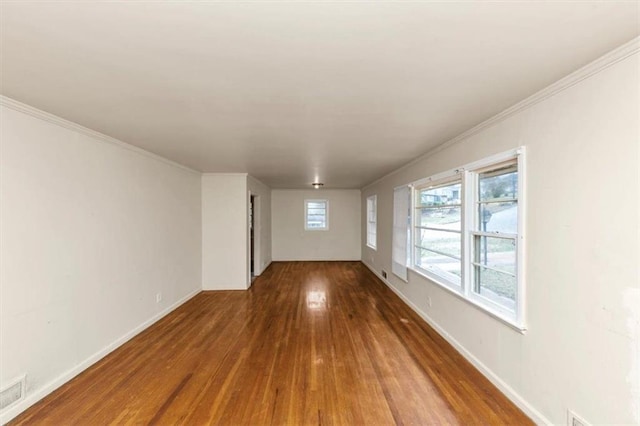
(497, 253)
(496, 286)
(499, 184)
(440, 217)
(498, 283)
(440, 196)
(316, 205)
(316, 212)
(499, 217)
(371, 207)
(441, 265)
(316, 223)
(445, 242)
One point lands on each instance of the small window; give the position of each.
(372, 203)
(316, 215)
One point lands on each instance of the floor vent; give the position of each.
(574, 420)
(12, 393)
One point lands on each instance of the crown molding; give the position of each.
(225, 174)
(70, 125)
(621, 53)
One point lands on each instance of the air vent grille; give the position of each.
(13, 393)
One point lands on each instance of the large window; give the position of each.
(372, 202)
(316, 215)
(467, 233)
(494, 235)
(438, 230)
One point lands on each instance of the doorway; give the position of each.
(254, 257)
(252, 250)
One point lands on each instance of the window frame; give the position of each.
(306, 214)
(374, 200)
(475, 231)
(469, 221)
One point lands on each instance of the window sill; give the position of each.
(372, 247)
(448, 287)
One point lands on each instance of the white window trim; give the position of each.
(306, 207)
(464, 291)
(373, 246)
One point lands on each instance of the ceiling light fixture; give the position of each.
(317, 185)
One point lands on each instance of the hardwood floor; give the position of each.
(310, 343)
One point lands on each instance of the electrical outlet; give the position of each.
(158, 297)
(384, 274)
(429, 301)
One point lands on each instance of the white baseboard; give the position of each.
(13, 411)
(507, 390)
(317, 260)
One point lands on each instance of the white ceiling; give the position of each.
(345, 92)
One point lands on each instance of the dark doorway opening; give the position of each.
(251, 234)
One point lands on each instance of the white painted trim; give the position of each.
(14, 410)
(507, 390)
(483, 307)
(318, 260)
(70, 125)
(226, 174)
(438, 179)
(611, 58)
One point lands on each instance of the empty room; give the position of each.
(328, 213)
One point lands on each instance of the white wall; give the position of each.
(90, 232)
(292, 242)
(224, 231)
(262, 231)
(581, 350)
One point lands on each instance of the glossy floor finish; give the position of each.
(310, 343)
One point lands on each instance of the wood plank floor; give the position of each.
(310, 343)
